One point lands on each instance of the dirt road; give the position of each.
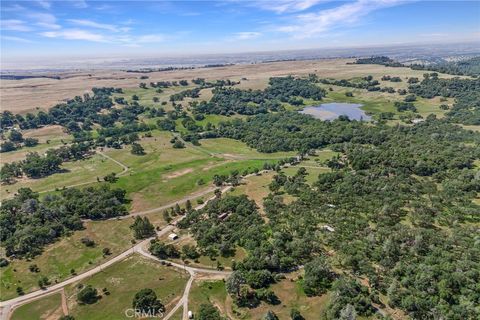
(6, 307)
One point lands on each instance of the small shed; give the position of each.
(419, 120)
(173, 236)
(328, 228)
(223, 215)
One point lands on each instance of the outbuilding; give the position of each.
(328, 228)
(173, 236)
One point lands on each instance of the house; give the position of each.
(415, 121)
(173, 236)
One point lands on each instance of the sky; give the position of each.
(33, 29)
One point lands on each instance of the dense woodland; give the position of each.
(228, 101)
(464, 67)
(399, 201)
(466, 92)
(29, 222)
(467, 67)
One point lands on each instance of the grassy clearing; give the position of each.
(49, 307)
(59, 258)
(230, 148)
(166, 174)
(256, 188)
(312, 173)
(291, 296)
(289, 292)
(215, 119)
(123, 280)
(208, 291)
(159, 152)
(203, 261)
(48, 137)
(145, 96)
(472, 127)
(75, 172)
(376, 102)
(169, 183)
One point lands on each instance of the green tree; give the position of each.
(348, 313)
(188, 206)
(208, 312)
(142, 228)
(146, 300)
(296, 315)
(190, 252)
(111, 177)
(234, 283)
(7, 146)
(178, 144)
(15, 136)
(270, 315)
(166, 216)
(137, 149)
(88, 295)
(30, 142)
(164, 251)
(318, 277)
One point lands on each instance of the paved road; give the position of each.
(6, 307)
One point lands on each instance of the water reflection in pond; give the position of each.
(331, 111)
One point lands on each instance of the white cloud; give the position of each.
(104, 7)
(75, 34)
(14, 25)
(93, 24)
(81, 4)
(45, 20)
(247, 35)
(285, 6)
(44, 4)
(16, 39)
(314, 24)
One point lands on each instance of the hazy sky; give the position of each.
(142, 28)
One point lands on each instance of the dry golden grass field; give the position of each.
(26, 95)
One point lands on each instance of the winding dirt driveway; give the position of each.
(7, 307)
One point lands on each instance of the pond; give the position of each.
(331, 111)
